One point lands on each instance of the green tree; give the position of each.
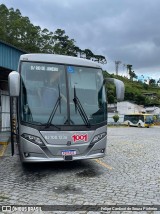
(140, 99)
(4, 23)
(131, 73)
(20, 32)
(89, 54)
(62, 43)
(100, 59)
(152, 82)
(111, 98)
(46, 41)
(129, 68)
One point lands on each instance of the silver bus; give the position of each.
(60, 109)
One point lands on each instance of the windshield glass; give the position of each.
(149, 118)
(41, 86)
(87, 85)
(44, 86)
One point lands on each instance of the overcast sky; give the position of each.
(121, 30)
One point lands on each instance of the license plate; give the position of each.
(68, 152)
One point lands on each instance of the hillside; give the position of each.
(137, 92)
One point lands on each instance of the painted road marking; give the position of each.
(3, 149)
(3, 143)
(103, 164)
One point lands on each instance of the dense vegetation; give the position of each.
(135, 91)
(20, 32)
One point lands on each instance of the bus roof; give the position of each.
(61, 59)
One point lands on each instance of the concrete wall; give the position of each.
(129, 108)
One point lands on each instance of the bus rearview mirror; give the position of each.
(119, 87)
(14, 84)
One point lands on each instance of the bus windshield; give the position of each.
(42, 84)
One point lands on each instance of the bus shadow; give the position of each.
(82, 168)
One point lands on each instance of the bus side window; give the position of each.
(141, 118)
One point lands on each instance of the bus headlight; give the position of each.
(98, 137)
(33, 139)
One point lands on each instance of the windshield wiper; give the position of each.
(79, 107)
(58, 103)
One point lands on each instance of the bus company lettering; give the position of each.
(82, 137)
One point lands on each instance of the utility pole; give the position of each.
(117, 63)
(126, 72)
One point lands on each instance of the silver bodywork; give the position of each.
(60, 145)
(53, 58)
(52, 151)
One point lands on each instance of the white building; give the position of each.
(126, 107)
(153, 110)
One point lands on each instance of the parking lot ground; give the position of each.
(129, 174)
(4, 141)
(3, 147)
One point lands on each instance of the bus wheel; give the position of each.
(129, 124)
(139, 125)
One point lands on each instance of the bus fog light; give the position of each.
(98, 137)
(26, 154)
(103, 150)
(33, 139)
